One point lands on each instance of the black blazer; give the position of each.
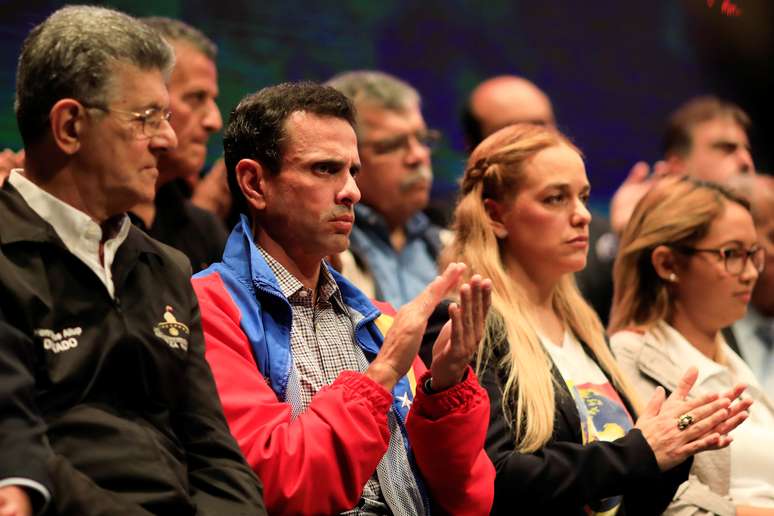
(564, 476)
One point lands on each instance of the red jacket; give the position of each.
(319, 462)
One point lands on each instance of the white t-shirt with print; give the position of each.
(602, 414)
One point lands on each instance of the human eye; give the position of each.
(554, 199)
(732, 253)
(726, 147)
(325, 167)
(389, 145)
(153, 117)
(584, 197)
(196, 98)
(429, 138)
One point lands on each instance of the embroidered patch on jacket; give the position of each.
(174, 333)
(59, 341)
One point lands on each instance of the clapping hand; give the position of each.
(460, 336)
(402, 341)
(677, 427)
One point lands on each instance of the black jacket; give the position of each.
(565, 475)
(109, 402)
(195, 232)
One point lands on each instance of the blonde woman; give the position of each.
(687, 265)
(562, 432)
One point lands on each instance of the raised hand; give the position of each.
(677, 428)
(402, 341)
(635, 186)
(459, 338)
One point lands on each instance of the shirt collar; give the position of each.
(683, 352)
(295, 291)
(367, 216)
(70, 224)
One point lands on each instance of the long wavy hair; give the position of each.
(676, 212)
(496, 170)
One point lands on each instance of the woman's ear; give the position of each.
(495, 211)
(664, 263)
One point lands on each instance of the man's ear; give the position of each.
(664, 263)
(67, 119)
(495, 211)
(251, 177)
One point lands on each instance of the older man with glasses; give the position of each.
(394, 246)
(107, 405)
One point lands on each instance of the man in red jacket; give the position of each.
(315, 381)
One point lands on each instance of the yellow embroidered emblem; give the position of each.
(171, 331)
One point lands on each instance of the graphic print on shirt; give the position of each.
(603, 417)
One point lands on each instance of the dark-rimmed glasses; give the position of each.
(151, 119)
(427, 138)
(734, 258)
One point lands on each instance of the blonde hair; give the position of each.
(496, 170)
(676, 212)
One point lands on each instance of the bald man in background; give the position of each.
(508, 99)
(502, 101)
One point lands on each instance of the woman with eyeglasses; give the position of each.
(564, 434)
(686, 267)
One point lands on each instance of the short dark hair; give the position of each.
(256, 127)
(176, 31)
(677, 136)
(72, 55)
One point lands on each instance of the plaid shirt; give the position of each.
(322, 343)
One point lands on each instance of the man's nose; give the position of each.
(212, 121)
(165, 139)
(350, 193)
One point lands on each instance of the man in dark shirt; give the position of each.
(107, 405)
(193, 88)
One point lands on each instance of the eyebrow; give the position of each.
(565, 186)
(737, 243)
(730, 143)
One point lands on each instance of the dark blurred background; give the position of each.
(614, 69)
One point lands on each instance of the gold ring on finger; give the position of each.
(684, 421)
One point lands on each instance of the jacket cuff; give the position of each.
(435, 405)
(357, 385)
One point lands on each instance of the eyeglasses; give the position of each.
(151, 119)
(427, 138)
(734, 258)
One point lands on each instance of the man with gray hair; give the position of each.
(193, 87)
(394, 246)
(107, 405)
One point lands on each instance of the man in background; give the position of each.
(394, 246)
(193, 88)
(706, 138)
